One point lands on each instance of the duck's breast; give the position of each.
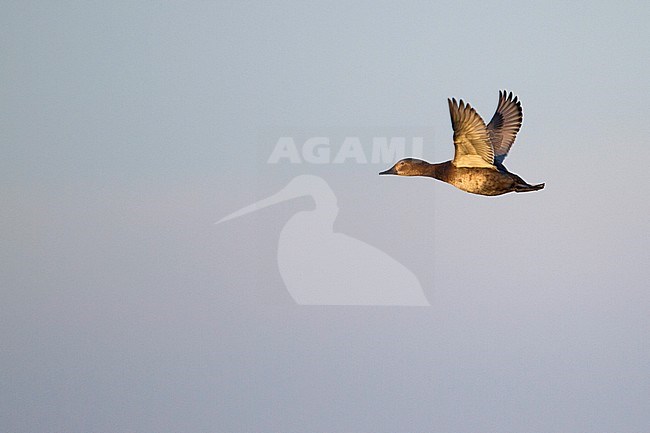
(483, 181)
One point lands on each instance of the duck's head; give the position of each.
(407, 167)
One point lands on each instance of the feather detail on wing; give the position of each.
(505, 125)
(471, 139)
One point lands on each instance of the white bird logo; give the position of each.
(321, 267)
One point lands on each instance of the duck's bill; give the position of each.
(389, 171)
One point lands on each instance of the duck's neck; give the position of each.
(436, 171)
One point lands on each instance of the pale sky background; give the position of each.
(129, 128)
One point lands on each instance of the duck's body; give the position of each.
(475, 180)
(477, 166)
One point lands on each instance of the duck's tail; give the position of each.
(527, 188)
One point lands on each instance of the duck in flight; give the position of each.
(477, 166)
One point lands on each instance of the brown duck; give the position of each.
(477, 166)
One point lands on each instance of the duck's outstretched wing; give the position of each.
(505, 125)
(471, 139)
